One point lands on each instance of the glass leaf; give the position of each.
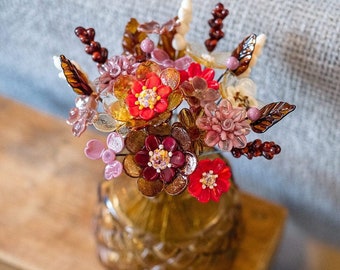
(123, 85)
(105, 123)
(181, 136)
(136, 123)
(119, 111)
(191, 163)
(149, 188)
(132, 38)
(271, 114)
(165, 43)
(199, 83)
(160, 119)
(211, 60)
(134, 141)
(186, 118)
(187, 88)
(198, 147)
(145, 68)
(243, 53)
(170, 77)
(161, 130)
(130, 166)
(174, 99)
(177, 186)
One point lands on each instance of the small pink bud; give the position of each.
(253, 113)
(147, 45)
(232, 63)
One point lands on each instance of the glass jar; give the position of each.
(165, 232)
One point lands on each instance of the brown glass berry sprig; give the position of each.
(257, 148)
(216, 24)
(86, 36)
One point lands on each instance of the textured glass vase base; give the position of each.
(135, 232)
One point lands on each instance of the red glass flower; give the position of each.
(160, 162)
(210, 180)
(148, 97)
(160, 159)
(208, 74)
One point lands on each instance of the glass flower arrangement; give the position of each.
(163, 107)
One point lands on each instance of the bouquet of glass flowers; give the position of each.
(163, 108)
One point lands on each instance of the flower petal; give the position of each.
(131, 100)
(152, 81)
(146, 113)
(151, 142)
(142, 158)
(211, 138)
(208, 74)
(178, 159)
(167, 174)
(94, 149)
(113, 170)
(137, 87)
(149, 173)
(150, 188)
(164, 91)
(194, 70)
(130, 166)
(204, 196)
(161, 106)
(134, 111)
(169, 144)
(190, 164)
(115, 142)
(177, 186)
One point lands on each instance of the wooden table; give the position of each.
(48, 197)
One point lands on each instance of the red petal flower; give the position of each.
(207, 74)
(210, 180)
(162, 159)
(148, 97)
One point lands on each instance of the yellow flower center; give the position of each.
(208, 180)
(160, 159)
(147, 98)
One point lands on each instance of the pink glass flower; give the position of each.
(148, 97)
(225, 126)
(160, 57)
(197, 93)
(112, 68)
(210, 180)
(208, 74)
(95, 149)
(83, 114)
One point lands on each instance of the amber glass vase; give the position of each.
(165, 232)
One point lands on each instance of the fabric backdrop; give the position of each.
(299, 64)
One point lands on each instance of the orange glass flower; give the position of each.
(148, 97)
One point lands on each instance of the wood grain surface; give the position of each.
(48, 199)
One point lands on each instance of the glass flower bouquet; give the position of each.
(163, 109)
